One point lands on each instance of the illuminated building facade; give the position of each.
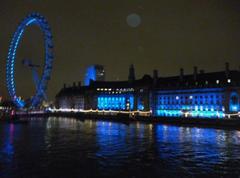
(94, 73)
(191, 102)
(107, 95)
(200, 95)
(122, 95)
(115, 102)
(203, 95)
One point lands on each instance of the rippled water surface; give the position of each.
(63, 147)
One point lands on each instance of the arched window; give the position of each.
(234, 102)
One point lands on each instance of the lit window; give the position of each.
(191, 97)
(229, 80)
(177, 97)
(206, 82)
(217, 81)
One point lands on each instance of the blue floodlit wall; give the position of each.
(140, 105)
(90, 75)
(202, 103)
(115, 102)
(234, 102)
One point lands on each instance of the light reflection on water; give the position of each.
(64, 147)
(7, 147)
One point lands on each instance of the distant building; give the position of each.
(95, 73)
(203, 95)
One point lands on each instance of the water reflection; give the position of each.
(198, 150)
(112, 141)
(7, 144)
(7, 149)
(56, 146)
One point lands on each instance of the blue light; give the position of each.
(37, 98)
(234, 102)
(140, 107)
(114, 102)
(31, 21)
(199, 114)
(234, 108)
(190, 103)
(90, 75)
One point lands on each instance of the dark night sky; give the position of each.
(172, 34)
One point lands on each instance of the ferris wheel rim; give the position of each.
(41, 22)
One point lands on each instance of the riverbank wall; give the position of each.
(233, 123)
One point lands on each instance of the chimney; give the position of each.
(195, 73)
(155, 76)
(64, 85)
(74, 84)
(79, 84)
(131, 75)
(181, 74)
(227, 69)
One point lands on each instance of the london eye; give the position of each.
(41, 85)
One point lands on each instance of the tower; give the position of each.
(131, 75)
(95, 73)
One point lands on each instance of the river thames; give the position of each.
(65, 147)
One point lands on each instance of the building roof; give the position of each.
(72, 91)
(145, 80)
(201, 80)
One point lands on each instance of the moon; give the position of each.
(133, 20)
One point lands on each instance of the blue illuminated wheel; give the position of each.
(41, 22)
